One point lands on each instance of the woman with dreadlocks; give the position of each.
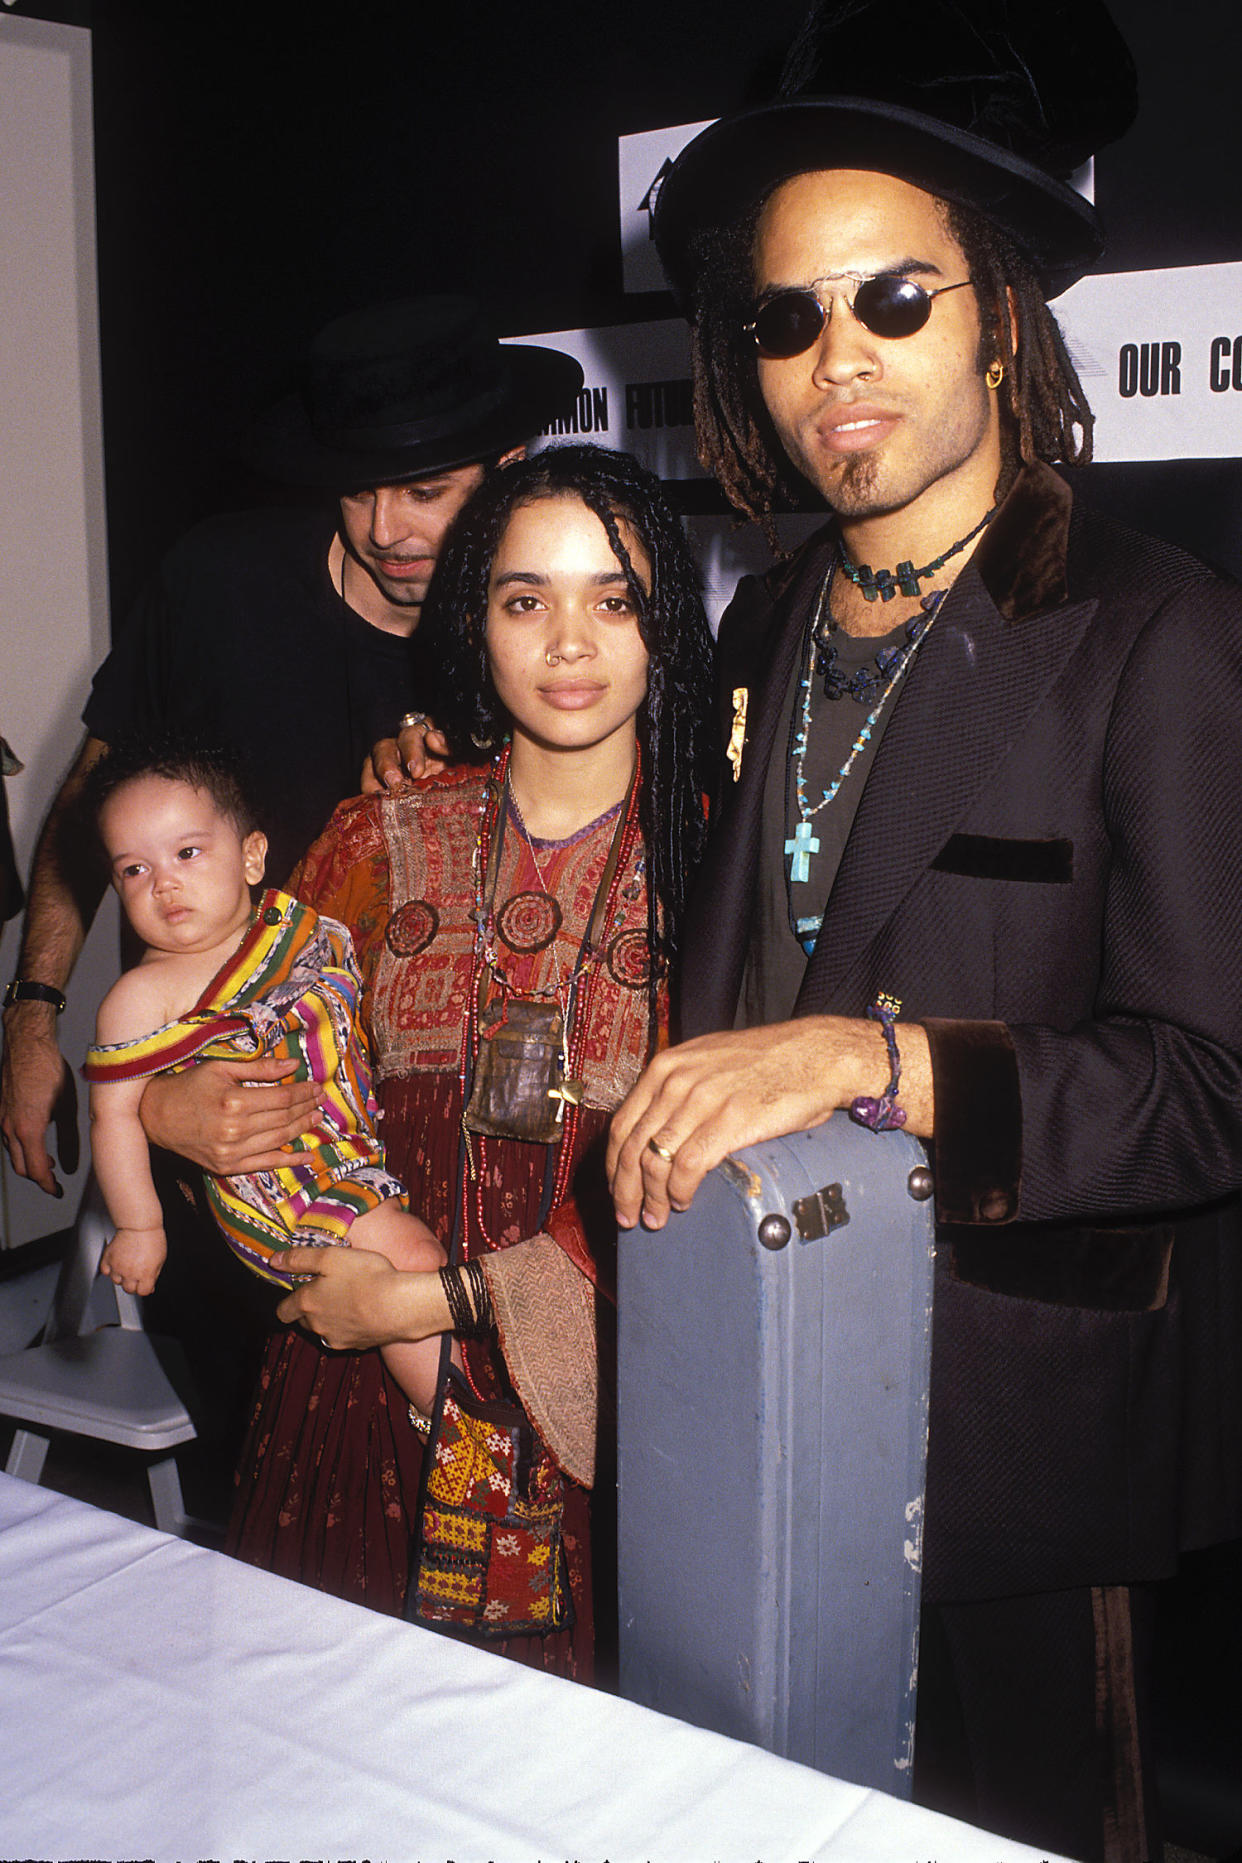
(515, 919)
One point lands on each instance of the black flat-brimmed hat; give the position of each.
(989, 103)
(403, 390)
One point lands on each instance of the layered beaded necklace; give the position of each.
(890, 666)
(608, 914)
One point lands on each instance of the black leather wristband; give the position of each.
(21, 991)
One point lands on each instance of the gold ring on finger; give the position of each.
(661, 1151)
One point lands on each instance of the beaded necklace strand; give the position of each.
(867, 683)
(804, 843)
(570, 1089)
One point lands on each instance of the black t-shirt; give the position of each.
(241, 637)
(776, 961)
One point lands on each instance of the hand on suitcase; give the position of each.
(706, 1098)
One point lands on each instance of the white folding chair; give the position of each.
(97, 1373)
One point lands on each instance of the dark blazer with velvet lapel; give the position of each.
(1046, 867)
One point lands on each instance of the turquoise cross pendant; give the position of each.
(803, 843)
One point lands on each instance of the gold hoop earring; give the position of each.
(995, 375)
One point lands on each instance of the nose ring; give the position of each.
(552, 659)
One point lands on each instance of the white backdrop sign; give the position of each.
(1160, 356)
(642, 163)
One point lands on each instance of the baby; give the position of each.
(220, 977)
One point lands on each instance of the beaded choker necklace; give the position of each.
(883, 584)
(804, 843)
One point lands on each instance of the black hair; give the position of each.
(177, 757)
(1044, 411)
(676, 728)
(737, 442)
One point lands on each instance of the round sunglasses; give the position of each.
(789, 322)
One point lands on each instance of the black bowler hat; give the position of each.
(403, 390)
(989, 103)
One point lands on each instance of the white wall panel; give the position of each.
(53, 593)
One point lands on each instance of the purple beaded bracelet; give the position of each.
(883, 1115)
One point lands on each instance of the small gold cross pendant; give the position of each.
(569, 1093)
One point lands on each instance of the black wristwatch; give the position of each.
(20, 991)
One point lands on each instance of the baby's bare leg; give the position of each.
(404, 1239)
(407, 1242)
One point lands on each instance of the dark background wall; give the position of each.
(262, 166)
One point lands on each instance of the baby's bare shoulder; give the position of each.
(142, 1000)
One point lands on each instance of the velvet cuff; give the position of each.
(978, 1099)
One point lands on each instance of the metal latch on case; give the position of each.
(815, 1216)
(820, 1213)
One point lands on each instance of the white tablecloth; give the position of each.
(167, 1703)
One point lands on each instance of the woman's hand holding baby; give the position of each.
(356, 1299)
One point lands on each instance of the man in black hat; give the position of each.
(287, 634)
(978, 873)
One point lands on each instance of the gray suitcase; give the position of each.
(773, 1353)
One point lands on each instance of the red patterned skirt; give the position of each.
(328, 1481)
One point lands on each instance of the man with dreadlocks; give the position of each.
(981, 738)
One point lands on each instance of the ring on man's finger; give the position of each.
(410, 719)
(661, 1151)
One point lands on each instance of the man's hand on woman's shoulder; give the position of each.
(419, 749)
